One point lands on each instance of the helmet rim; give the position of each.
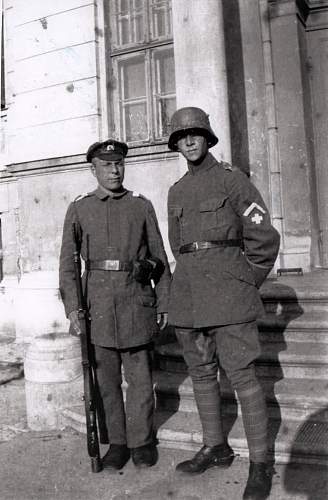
(212, 140)
(190, 119)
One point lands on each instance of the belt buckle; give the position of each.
(113, 265)
(196, 245)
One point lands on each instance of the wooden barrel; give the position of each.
(53, 379)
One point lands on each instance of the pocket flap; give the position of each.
(212, 204)
(175, 211)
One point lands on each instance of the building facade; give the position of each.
(77, 71)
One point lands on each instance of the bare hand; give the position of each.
(75, 323)
(162, 320)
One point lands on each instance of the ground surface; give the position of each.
(55, 465)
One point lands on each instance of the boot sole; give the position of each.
(223, 464)
(114, 467)
(144, 465)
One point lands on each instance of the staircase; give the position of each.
(293, 370)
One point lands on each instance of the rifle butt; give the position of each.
(96, 465)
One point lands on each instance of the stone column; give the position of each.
(53, 379)
(287, 32)
(38, 307)
(200, 66)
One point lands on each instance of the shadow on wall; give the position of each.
(168, 360)
(281, 308)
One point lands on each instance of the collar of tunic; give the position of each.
(206, 164)
(103, 193)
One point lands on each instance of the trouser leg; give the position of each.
(199, 352)
(139, 396)
(238, 346)
(108, 369)
(253, 410)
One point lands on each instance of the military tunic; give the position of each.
(218, 286)
(122, 227)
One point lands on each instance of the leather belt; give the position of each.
(204, 245)
(108, 265)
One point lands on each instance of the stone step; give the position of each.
(297, 293)
(308, 327)
(293, 399)
(307, 360)
(290, 441)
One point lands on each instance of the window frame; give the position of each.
(112, 57)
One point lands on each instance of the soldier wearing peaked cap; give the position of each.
(225, 246)
(126, 282)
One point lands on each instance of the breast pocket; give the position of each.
(175, 211)
(175, 223)
(211, 212)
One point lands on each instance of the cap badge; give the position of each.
(110, 147)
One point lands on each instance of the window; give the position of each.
(142, 63)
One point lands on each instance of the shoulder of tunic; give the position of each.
(145, 202)
(227, 166)
(181, 178)
(82, 196)
(232, 173)
(135, 194)
(179, 181)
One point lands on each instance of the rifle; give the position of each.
(87, 364)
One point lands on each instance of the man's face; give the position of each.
(109, 174)
(193, 147)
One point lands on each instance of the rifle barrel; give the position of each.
(87, 365)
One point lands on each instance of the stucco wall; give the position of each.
(51, 78)
(44, 198)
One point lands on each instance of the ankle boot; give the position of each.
(259, 482)
(116, 457)
(208, 456)
(144, 456)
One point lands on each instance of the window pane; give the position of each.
(161, 17)
(135, 122)
(132, 77)
(165, 109)
(164, 90)
(133, 98)
(128, 22)
(164, 71)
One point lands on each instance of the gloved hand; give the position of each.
(75, 323)
(148, 269)
(162, 320)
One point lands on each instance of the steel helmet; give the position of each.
(190, 119)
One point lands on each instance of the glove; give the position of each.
(75, 323)
(148, 269)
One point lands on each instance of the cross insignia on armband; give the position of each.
(257, 218)
(254, 211)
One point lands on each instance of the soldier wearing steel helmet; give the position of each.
(126, 284)
(225, 246)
